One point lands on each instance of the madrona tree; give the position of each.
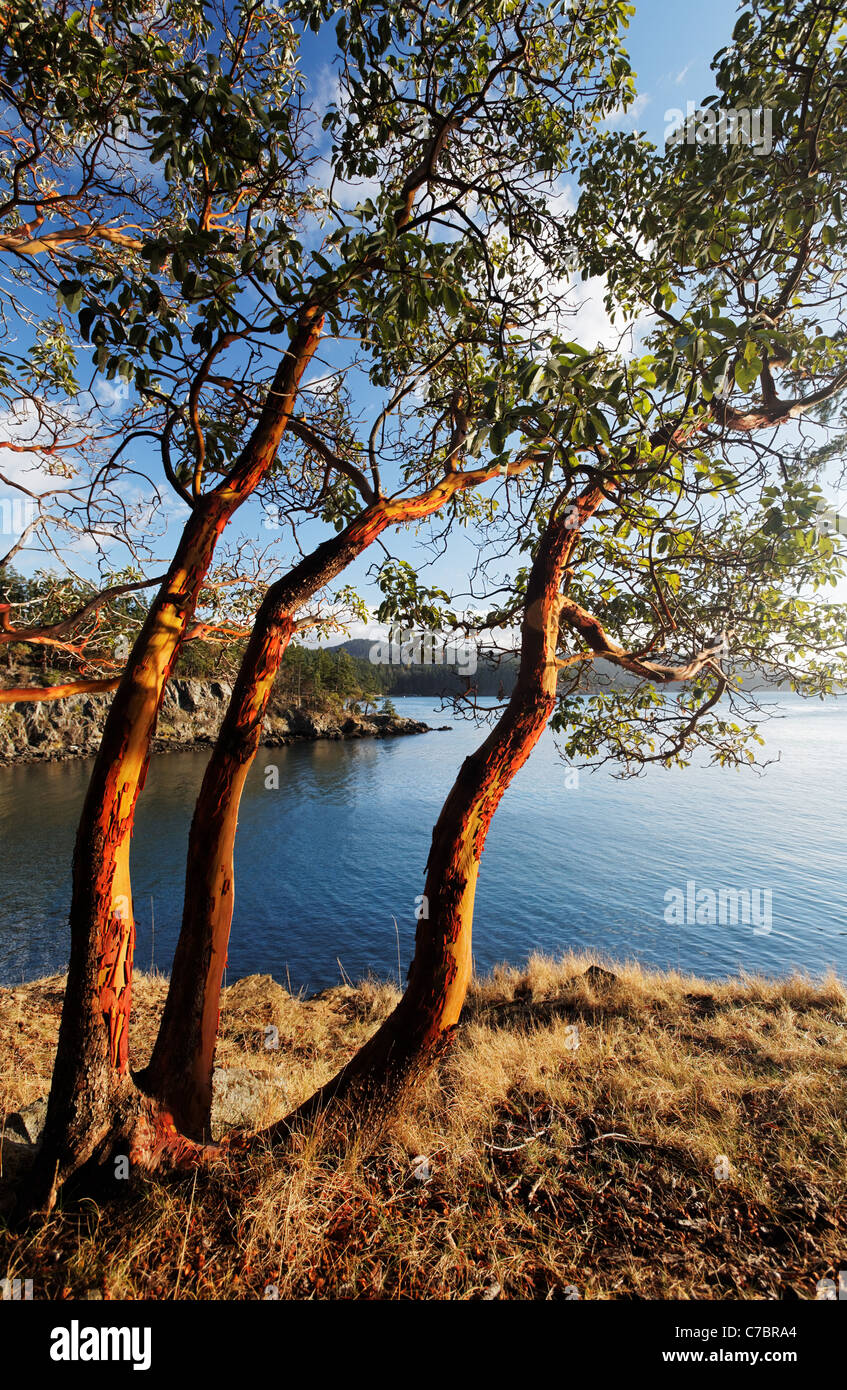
(68, 181)
(666, 498)
(677, 537)
(239, 258)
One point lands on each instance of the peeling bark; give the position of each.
(180, 1069)
(92, 1057)
(422, 1024)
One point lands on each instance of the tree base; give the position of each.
(139, 1137)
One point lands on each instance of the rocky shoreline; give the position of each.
(190, 717)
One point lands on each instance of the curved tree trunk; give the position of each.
(422, 1022)
(180, 1071)
(91, 1069)
(91, 1062)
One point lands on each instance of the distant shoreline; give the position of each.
(190, 717)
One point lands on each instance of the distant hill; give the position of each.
(495, 675)
(492, 677)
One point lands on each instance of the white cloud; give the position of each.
(590, 324)
(111, 395)
(579, 313)
(628, 115)
(20, 425)
(327, 91)
(320, 385)
(347, 193)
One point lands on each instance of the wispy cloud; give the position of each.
(627, 116)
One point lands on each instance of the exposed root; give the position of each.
(361, 1101)
(141, 1137)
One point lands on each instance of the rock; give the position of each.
(15, 1158)
(596, 975)
(239, 1098)
(191, 714)
(192, 711)
(26, 1125)
(289, 725)
(187, 697)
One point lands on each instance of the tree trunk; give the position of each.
(92, 1063)
(180, 1071)
(422, 1022)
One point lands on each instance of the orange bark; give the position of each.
(180, 1069)
(440, 972)
(32, 694)
(92, 1053)
(94, 1021)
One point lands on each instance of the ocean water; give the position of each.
(329, 865)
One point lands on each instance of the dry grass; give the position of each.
(572, 1135)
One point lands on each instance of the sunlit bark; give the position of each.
(440, 972)
(92, 1055)
(180, 1069)
(39, 694)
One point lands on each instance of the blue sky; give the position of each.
(671, 46)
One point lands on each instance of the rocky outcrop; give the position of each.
(25, 1125)
(238, 1095)
(291, 725)
(191, 715)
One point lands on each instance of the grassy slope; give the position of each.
(528, 1194)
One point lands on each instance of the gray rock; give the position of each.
(239, 1097)
(15, 1158)
(26, 1125)
(191, 714)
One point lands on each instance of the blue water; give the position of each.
(327, 863)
